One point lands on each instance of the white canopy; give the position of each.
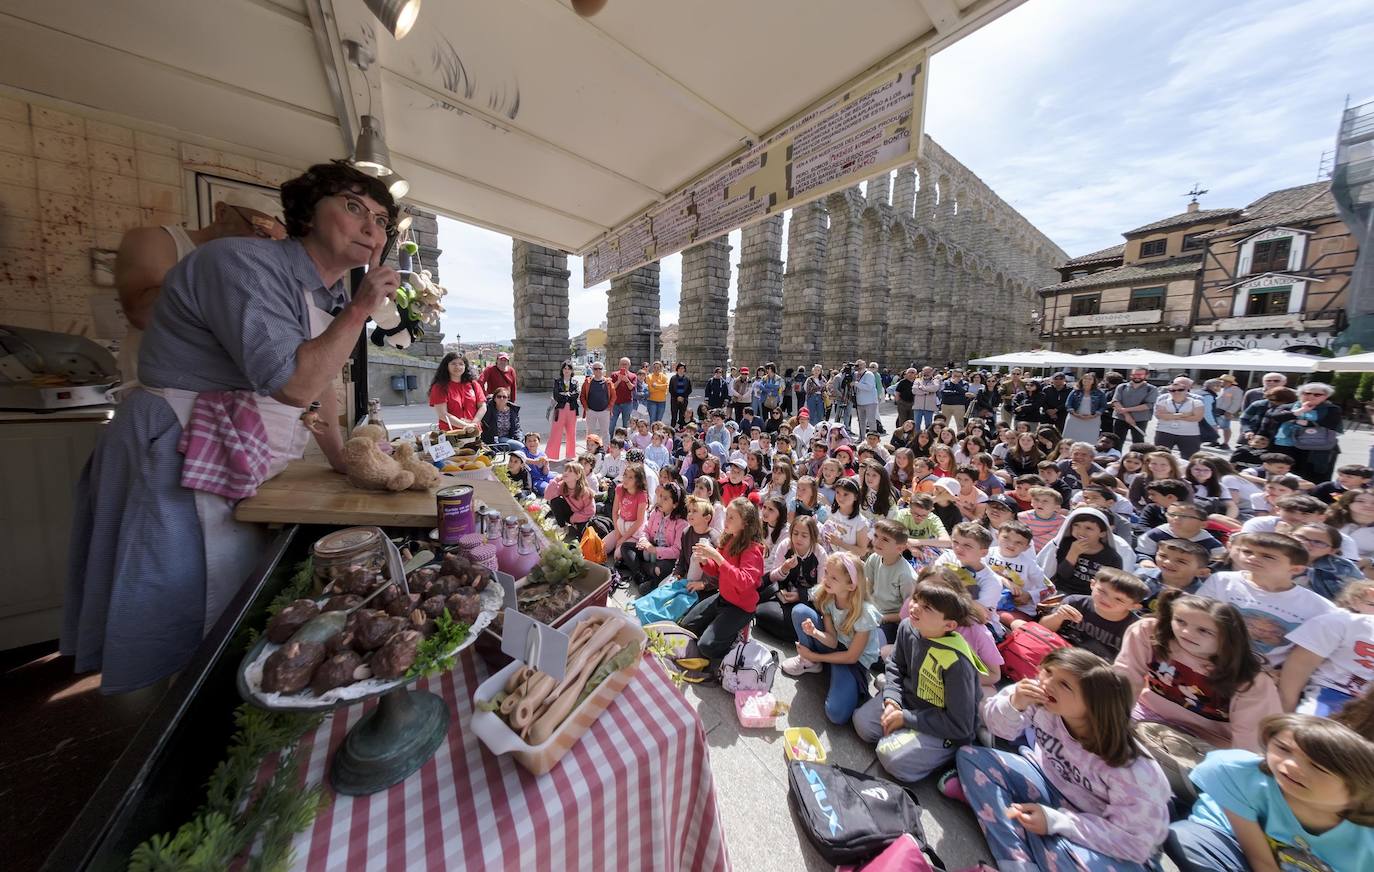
(516, 115)
(1039, 357)
(1133, 358)
(1350, 363)
(1256, 360)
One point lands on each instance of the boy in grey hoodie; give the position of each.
(929, 707)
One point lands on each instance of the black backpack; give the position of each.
(851, 817)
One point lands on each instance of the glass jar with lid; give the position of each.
(352, 551)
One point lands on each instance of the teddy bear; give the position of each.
(368, 467)
(426, 475)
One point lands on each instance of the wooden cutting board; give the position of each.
(309, 492)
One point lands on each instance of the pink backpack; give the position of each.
(1025, 647)
(903, 855)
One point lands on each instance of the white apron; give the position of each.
(233, 548)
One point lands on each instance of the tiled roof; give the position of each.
(1131, 275)
(1288, 206)
(1116, 252)
(1183, 218)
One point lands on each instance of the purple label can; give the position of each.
(455, 513)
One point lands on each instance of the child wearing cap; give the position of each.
(735, 484)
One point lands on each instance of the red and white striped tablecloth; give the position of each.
(635, 793)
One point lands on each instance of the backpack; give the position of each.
(848, 816)
(748, 666)
(1025, 647)
(598, 395)
(593, 550)
(667, 602)
(904, 855)
(1314, 438)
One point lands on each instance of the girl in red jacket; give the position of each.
(736, 568)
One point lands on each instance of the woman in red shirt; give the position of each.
(455, 395)
(736, 568)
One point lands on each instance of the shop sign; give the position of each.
(1273, 342)
(1113, 319)
(1259, 322)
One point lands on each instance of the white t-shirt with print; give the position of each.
(1165, 403)
(1269, 615)
(1346, 640)
(1022, 568)
(989, 584)
(848, 528)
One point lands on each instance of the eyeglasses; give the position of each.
(358, 209)
(1178, 390)
(1311, 394)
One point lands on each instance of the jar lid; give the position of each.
(348, 542)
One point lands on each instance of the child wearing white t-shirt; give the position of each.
(1023, 581)
(1332, 661)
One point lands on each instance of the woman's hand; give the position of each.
(379, 284)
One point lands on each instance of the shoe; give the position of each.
(647, 587)
(949, 785)
(795, 666)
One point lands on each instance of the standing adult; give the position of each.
(1270, 380)
(867, 389)
(1054, 400)
(717, 389)
(1309, 430)
(567, 403)
(742, 393)
(640, 395)
(623, 384)
(1026, 405)
(1111, 380)
(1178, 413)
(1229, 405)
(1007, 389)
(455, 393)
(925, 396)
(814, 389)
(679, 392)
(769, 390)
(499, 375)
(657, 381)
(955, 395)
(984, 402)
(147, 253)
(904, 397)
(240, 342)
(798, 389)
(1133, 405)
(1083, 422)
(598, 396)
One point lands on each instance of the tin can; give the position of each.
(455, 513)
(510, 531)
(529, 539)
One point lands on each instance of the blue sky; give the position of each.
(1090, 117)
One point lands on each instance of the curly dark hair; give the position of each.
(299, 195)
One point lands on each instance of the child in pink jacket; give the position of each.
(651, 557)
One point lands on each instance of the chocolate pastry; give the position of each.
(290, 619)
(336, 672)
(357, 580)
(402, 605)
(423, 622)
(288, 669)
(481, 577)
(342, 603)
(397, 655)
(374, 627)
(464, 606)
(344, 640)
(423, 576)
(432, 606)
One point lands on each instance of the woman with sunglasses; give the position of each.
(1177, 413)
(248, 333)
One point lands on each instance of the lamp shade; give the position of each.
(397, 16)
(397, 185)
(370, 154)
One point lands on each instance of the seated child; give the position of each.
(929, 706)
(612, 463)
(1250, 453)
(1021, 490)
(650, 558)
(975, 631)
(1350, 477)
(890, 578)
(1275, 489)
(970, 543)
(700, 528)
(1160, 494)
(1046, 515)
(538, 464)
(1179, 565)
(630, 509)
(847, 641)
(1295, 510)
(735, 570)
(1263, 587)
(1023, 582)
(1306, 804)
(1085, 795)
(1106, 501)
(1332, 660)
(790, 583)
(518, 470)
(1272, 465)
(657, 452)
(572, 502)
(1327, 571)
(1053, 477)
(1198, 684)
(1098, 622)
(1184, 521)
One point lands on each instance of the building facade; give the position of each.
(1278, 277)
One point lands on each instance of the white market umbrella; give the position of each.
(1350, 363)
(1256, 360)
(1038, 357)
(1133, 358)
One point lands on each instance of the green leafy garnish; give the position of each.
(435, 654)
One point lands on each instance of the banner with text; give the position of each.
(861, 133)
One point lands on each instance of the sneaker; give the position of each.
(795, 666)
(951, 788)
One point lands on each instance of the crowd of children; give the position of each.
(1108, 650)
